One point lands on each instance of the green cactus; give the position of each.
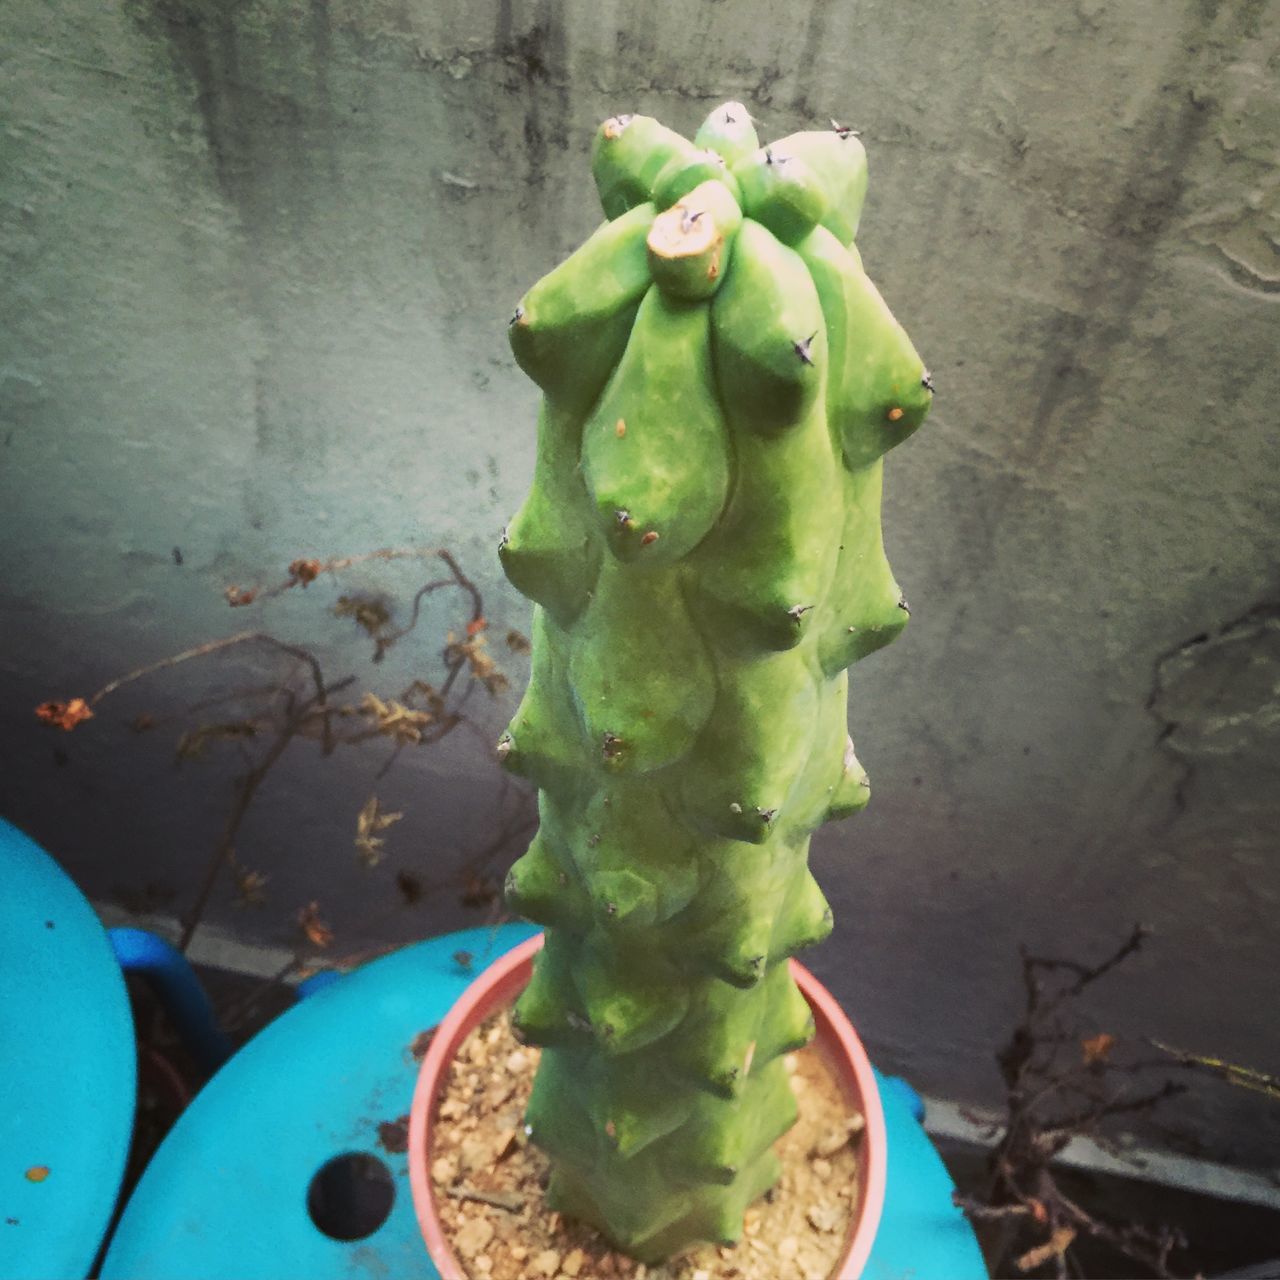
(702, 544)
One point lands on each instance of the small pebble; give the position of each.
(825, 1217)
(788, 1247)
(473, 1154)
(821, 1168)
(473, 1236)
(517, 1061)
(831, 1142)
(573, 1261)
(505, 1145)
(483, 1264)
(547, 1263)
(444, 1170)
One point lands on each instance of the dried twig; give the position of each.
(1241, 1077)
(519, 821)
(1061, 1084)
(420, 716)
(507, 1200)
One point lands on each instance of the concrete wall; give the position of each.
(258, 258)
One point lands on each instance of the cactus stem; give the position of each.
(671, 902)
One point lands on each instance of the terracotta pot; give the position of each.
(502, 982)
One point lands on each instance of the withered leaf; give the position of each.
(371, 613)
(1097, 1048)
(410, 887)
(305, 571)
(369, 822)
(64, 715)
(1054, 1247)
(317, 931)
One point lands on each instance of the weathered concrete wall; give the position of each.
(258, 258)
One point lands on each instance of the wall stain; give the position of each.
(1079, 346)
(539, 61)
(815, 39)
(266, 151)
(1081, 342)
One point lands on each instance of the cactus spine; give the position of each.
(702, 544)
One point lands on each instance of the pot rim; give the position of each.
(502, 981)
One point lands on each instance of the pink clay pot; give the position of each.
(500, 984)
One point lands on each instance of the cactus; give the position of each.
(702, 543)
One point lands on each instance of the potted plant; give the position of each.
(702, 544)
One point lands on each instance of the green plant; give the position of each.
(702, 542)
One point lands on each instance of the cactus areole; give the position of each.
(702, 543)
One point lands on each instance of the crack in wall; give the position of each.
(1215, 695)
